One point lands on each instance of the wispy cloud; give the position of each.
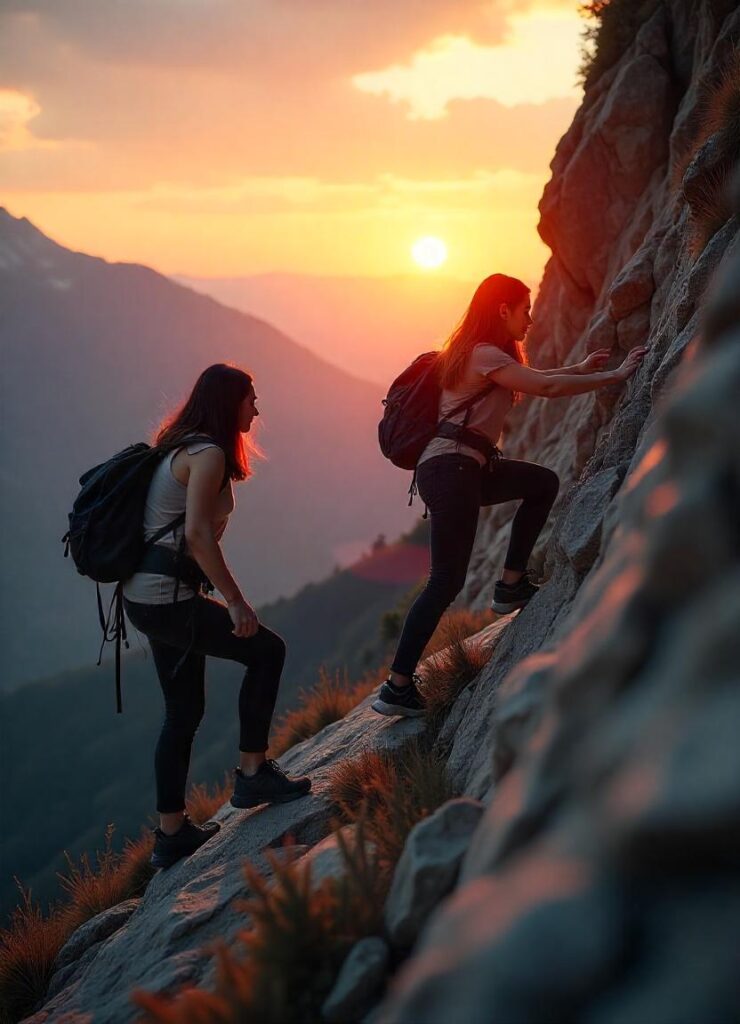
(534, 63)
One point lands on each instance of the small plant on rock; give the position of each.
(329, 702)
(28, 949)
(707, 188)
(394, 790)
(613, 25)
(456, 662)
(33, 939)
(283, 966)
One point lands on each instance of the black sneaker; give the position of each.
(189, 837)
(400, 700)
(269, 785)
(507, 597)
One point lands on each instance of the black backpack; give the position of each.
(106, 536)
(411, 415)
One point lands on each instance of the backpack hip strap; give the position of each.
(167, 562)
(470, 438)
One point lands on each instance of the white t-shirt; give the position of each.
(164, 502)
(487, 416)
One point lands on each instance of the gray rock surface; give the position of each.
(82, 946)
(163, 945)
(428, 867)
(359, 983)
(604, 881)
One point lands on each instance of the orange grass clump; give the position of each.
(456, 662)
(32, 941)
(392, 789)
(284, 964)
(203, 802)
(708, 191)
(28, 949)
(329, 702)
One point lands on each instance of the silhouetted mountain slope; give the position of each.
(93, 355)
(372, 326)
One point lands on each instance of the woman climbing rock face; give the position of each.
(206, 450)
(461, 469)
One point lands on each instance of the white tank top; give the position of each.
(165, 501)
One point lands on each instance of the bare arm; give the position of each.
(204, 483)
(556, 370)
(559, 384)
(596, 360)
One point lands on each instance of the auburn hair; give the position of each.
(482, 325)
(212, 408)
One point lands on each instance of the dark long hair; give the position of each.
(482, 324)
(213, 409)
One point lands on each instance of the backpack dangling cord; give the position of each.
(413, 489)
(114, 628)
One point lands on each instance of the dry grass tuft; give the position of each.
(707, 191)
(115, 877)
(329, 702)
(456, 624)
(711, 207)
(32, 941)
(394, 790)
(28, 949)
(446, 673)
(285, 964)
(203, 802)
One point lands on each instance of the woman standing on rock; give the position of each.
(461, 469)
(207, 450)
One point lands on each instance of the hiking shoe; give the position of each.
(188, 838)
(400, 700)
(269, 785)
(507, 597)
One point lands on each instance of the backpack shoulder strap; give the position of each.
(468, 404)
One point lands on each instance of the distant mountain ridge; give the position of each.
(93, 355)
(369, 326)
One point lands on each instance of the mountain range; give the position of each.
(94, 355)
(370, 326)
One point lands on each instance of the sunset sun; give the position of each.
(429, 252)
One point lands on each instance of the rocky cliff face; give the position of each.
(601, 882)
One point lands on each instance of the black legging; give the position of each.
(205, 626)
(454, 487)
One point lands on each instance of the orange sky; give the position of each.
(226, 137)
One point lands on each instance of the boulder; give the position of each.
(633, 287)
(428, 867)
(580, 533)
(93, 931)
(359, 983)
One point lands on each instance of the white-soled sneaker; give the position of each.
(507, 597)
(405, 701)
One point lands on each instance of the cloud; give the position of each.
(160, 114)
(16, 113)
(533, 64)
